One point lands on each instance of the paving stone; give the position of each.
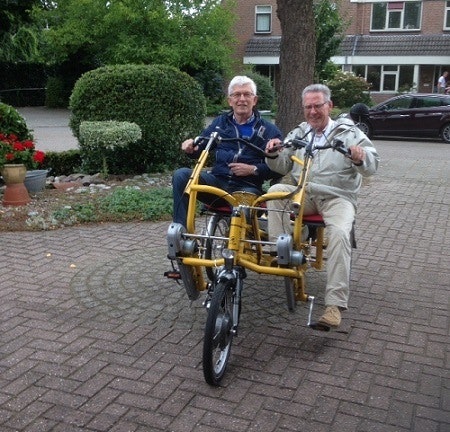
(110, 344)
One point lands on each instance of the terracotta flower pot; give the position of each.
(15, 193)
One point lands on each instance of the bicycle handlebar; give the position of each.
(215, 137)
(296, 143)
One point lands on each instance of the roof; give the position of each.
(263, 46)
(365, 45)
(396, 45)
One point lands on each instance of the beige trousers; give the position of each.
(338, 215)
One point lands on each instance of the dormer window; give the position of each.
(263, 19)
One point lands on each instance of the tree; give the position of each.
(18, 37)
(329, 34)
(297, 59)
(189, 35)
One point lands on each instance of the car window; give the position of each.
(428, 102)
(445, 101)
(398, 104)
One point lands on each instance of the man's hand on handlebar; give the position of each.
(273, 145)
(189, 146)
(357, 155)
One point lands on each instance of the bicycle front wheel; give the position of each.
(218, 332)
(218, 226)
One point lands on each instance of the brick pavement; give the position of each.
(93, 338)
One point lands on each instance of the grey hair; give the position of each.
(241, 80)
(318, 88)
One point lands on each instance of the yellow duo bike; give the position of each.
(216, 256)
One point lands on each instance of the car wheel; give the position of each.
(365, 127)
(445, 133)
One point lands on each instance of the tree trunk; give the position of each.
(297, 59)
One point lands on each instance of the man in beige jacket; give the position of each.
(332, 189)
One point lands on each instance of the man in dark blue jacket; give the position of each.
(237, 166)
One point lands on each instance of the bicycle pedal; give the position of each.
(172, 274)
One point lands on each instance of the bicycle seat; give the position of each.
(313, 219)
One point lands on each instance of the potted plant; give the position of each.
(16, 157)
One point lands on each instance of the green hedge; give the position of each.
(167, 104)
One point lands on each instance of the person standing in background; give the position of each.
(442, 82)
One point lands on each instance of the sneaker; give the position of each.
(331, 317)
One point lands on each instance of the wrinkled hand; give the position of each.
(188, 146)
(358, 155)
(241, 169)
(272, 145)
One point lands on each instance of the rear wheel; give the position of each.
(218, 332)
(445, 133)
(218, 226)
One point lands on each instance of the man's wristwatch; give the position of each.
(255, 171)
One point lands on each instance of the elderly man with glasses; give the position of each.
(237, 167)
(332, 189)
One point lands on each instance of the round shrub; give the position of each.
(167, 104)
(11, 122)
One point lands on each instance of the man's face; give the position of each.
(316, 110)
(242, 100)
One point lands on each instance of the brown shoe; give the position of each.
(331, 317)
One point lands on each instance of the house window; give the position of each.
(387, 78)
(447, 16)
(395, 15)
(263, 19)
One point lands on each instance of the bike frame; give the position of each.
(244, 240)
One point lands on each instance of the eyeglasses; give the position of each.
(316, 107)
(246, 95)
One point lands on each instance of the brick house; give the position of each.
(395, 45)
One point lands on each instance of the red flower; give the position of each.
(12, 150)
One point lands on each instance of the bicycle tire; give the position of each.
(218, 225)
(218, 332)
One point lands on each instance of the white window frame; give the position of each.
(391, 12)
(261, 12)
(447, 15)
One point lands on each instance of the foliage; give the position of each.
(62, 163)
(121, 205)
(266, 93)
(188, 35)
(168, 105)
(348, 89)
(329, 28)
(18, 36)
(11, 122)
(129, 203)
(54, 94)
(14, 151)
(100, 139)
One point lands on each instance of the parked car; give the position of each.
(409, 115)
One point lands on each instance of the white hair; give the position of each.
(241, 80)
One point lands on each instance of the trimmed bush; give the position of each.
(99, 141)
(167, 104)
(11, 122)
